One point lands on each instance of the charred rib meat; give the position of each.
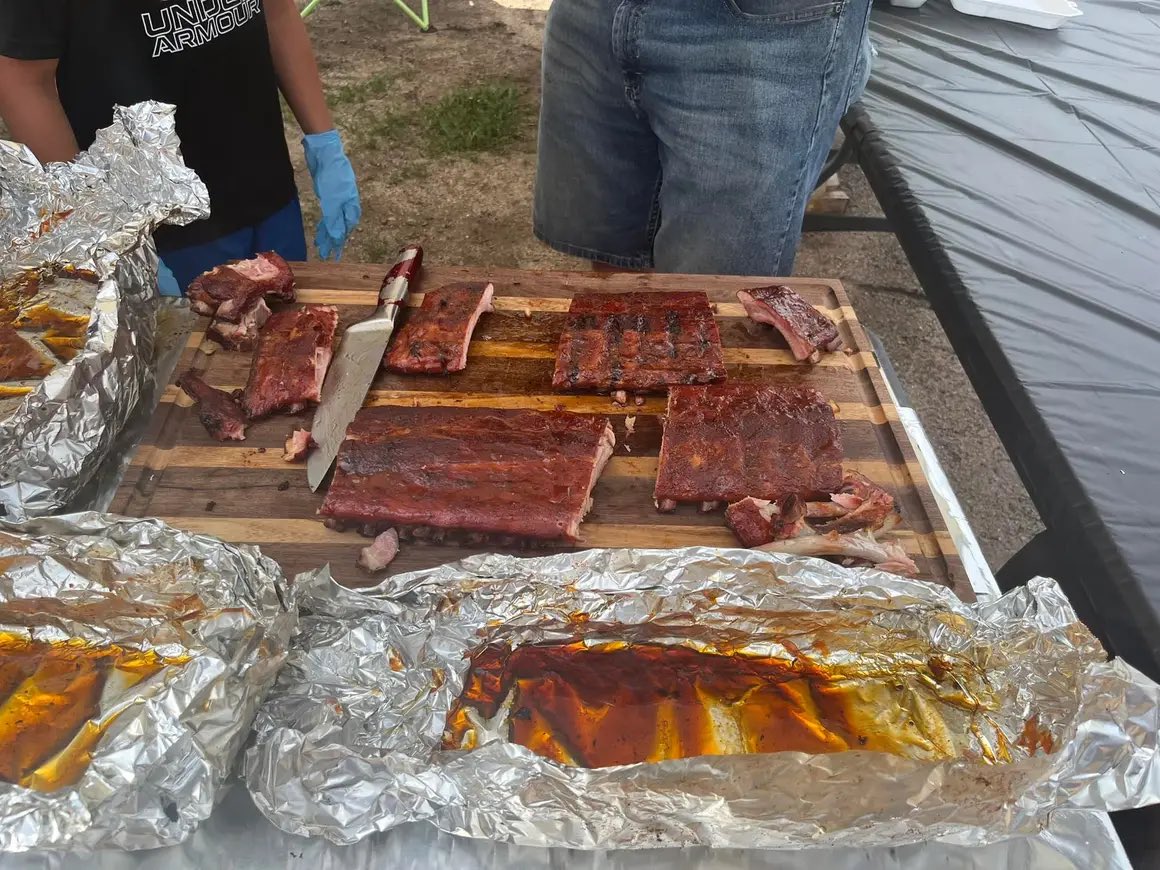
(435, 338)
(522, 473)
(226, 292)
(864, 505)
(219, 413)
(638, 341)
(294, 351)
(728, 441)
(757, 521)
(243, 335)
(808, 331)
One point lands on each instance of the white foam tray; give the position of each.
(1047, 14)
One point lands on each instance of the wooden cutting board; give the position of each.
(244, 492)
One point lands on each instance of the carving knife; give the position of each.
(354, 366)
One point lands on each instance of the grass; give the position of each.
(485, 118)
(388, 128)
(360, 92)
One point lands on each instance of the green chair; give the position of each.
(422, 19)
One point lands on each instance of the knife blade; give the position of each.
(354, 366)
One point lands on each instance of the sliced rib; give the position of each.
(228, 291)
(294, 351)
(436, 336)
(866, 504)
(216, 409)
(808, 331)
(243, 335)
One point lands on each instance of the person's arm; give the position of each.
(330, 168)
(295, 67)
(32, 37)
(31, 109)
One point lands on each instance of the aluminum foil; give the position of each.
(224, 612)
(96, 214)
(348, 742)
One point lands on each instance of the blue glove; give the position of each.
(166, 283)
(336, 189)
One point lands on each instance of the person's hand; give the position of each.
(337, 191)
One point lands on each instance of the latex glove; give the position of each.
(166, 283)
(337, 191)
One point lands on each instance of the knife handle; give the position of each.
(405, 270)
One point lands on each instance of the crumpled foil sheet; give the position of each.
(171, 739)
(97, 214)
(348, 741)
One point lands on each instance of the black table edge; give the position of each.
(1127, 617)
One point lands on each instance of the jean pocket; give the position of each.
(783, 11)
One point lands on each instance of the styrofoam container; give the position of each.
(1048, 14)
(907, 4)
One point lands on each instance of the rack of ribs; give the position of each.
(728, 441)
(526, 474)
(638, 341)
(294, 350)
(435, 338)
(808, 332)
(587, 704)
(221, 416)
(226, 292)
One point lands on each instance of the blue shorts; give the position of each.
(282, 232)
(688, 135)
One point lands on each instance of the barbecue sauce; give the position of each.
(618, 703)
(50, 699)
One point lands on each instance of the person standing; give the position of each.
(64, 64)
(688, 135)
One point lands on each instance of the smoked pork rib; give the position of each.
(227, 292)
(728, 441)
(294, 350)
(435, 338)
(638, 341)
(807, 330)
(216, 409)
(18, 358)
(527, 474)
(242, 335)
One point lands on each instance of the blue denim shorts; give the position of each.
(282, 232)
(688, 135)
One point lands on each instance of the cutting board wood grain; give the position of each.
(244, 492)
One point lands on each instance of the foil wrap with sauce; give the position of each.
(95, 215)
(904, 715)
(133, 658)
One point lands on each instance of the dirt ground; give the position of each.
(472, 208)
(384, 79)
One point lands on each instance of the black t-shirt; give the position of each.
(210, 58)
